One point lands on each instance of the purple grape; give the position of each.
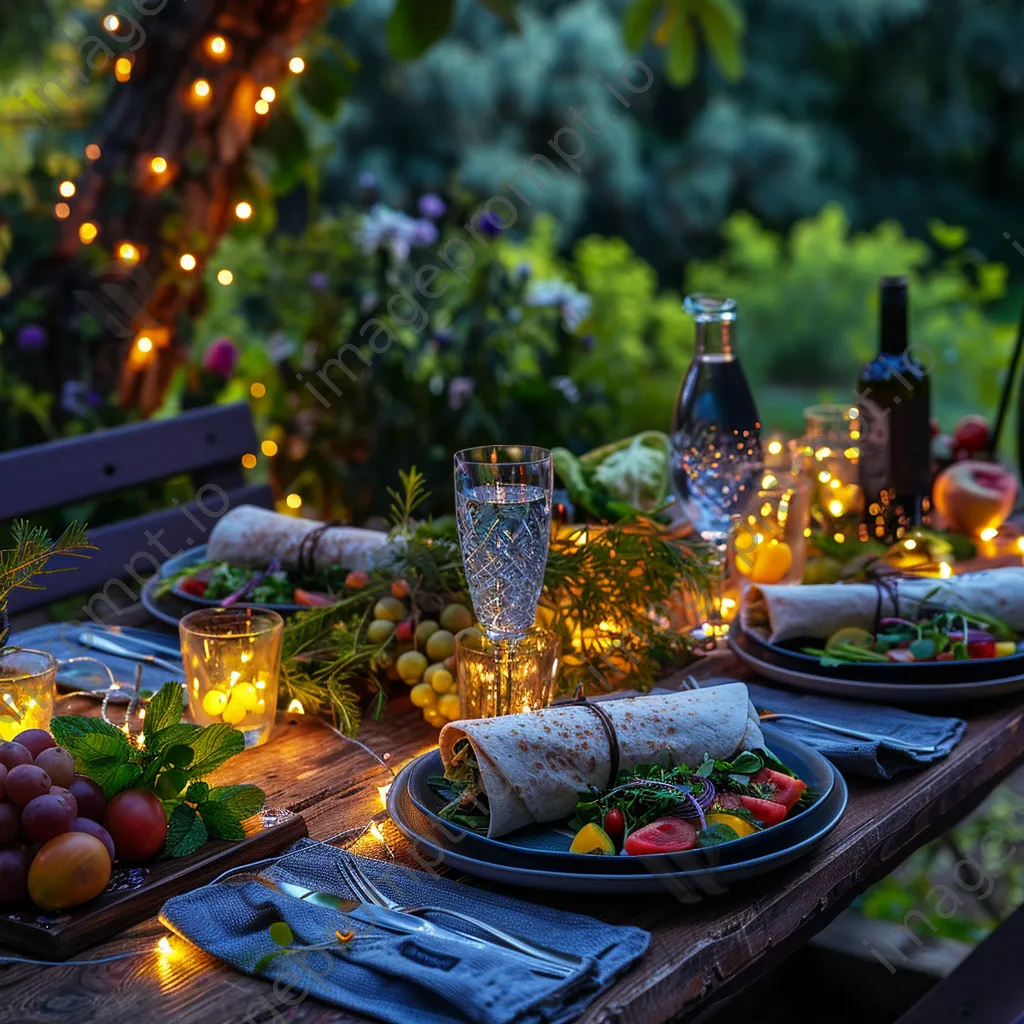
(68, 797)
(46, 817)
(10, 823)
(91, 800)
(13, 754)
(58, 764)
(25, 783)
(35, 741)
(93, 828)
(14, 865)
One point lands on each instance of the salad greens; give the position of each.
(272, 586)
(618, 479)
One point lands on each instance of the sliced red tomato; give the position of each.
(982, 649)
(666, 835)
(313, 599)
(193, 585)
(787, 789)
(764, 811)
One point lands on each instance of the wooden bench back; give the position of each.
(207, 444)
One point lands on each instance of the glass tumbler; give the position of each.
(28, 681)
(232, 659)
(532, 669)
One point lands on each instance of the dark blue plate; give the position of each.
(551, 843)
(790, 655)
(524, 868)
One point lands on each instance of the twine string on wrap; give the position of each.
(309, 544)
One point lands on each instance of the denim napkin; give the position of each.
(908, 740)
(398, 978)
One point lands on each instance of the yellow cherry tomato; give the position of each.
(739, 825)
(773, 561)
(246, 695)
(423, 696)
(234, 713)
(215, 702)
(448, 705)
(442, 681)
(1005, 648)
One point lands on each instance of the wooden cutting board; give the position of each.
(136, 893)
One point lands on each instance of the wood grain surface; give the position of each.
(699, 951)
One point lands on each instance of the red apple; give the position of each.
(973, 496)
(972, 434)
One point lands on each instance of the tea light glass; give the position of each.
(533, 666)
(232, 660)
(768, 543)
(28, 681)
(828, 457)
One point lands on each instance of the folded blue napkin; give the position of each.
(59, 640)
(908, 740)
(400, 978)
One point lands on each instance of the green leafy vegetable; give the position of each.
(174, 758)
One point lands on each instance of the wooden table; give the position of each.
(698, 952)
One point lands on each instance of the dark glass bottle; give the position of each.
(894, 401)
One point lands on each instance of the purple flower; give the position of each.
(431, 205)
(221, 357)
(489, 225)
(73, 397)
(524, 270)
(424, 232)
(444, 338)
(587, 342)
(318, 281)
(460, 389)
(367, 179)
(31, 338)
(94, 398)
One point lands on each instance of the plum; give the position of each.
(137, 823)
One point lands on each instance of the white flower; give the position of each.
(573, 304)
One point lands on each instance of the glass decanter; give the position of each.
(716, 431)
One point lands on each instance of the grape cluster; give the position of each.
(424, 650)
(41, 800)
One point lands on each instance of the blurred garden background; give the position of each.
(209, 202)
(785, 153)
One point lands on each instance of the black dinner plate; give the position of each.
(547, 846)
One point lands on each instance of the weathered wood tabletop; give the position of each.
(698, 951)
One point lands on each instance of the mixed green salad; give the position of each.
(935, 634)
(651, 808)
(231, 584)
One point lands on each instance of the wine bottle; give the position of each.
(894, 404)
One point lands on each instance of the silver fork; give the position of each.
(564, 963)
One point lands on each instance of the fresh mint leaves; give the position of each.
(174, 759)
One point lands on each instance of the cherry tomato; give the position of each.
(666, 835)
(194, 586)
(764, 811)
(312, 599)
(615, 826)
(787, 789)
(982, 649)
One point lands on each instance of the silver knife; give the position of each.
(101, 643)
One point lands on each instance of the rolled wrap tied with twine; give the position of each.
(253, 537)
(534, 766)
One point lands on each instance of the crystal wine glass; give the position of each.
(503, 508)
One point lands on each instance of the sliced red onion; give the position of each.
(700, 803)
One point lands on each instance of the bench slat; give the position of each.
(208, 442)
(126, 553)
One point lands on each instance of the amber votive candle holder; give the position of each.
(28, 683)
(533, 662)
(232, 660)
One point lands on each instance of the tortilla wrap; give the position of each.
(777, 612)
(253, 537)
(534, 766)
